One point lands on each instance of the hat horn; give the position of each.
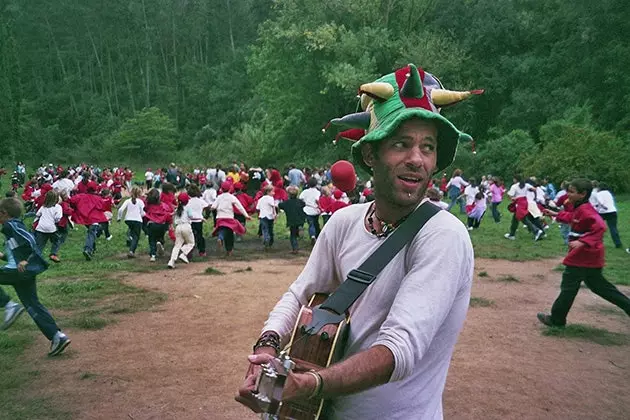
(365, 101)
(413, 85)
(356, 120)
(377, 90)
(443, 97)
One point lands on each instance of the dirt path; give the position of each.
(185, 359)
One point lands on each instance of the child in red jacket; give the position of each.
(88, 211)
(585, 259)
(158, 216)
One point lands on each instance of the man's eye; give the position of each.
(399, 144)
(429, 147)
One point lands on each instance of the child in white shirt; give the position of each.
(47, 218)
(267, 214)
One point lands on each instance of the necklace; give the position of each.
(386, 228)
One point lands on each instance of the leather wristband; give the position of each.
(268, 339)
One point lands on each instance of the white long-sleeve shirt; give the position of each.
(133, 212)
(605, 202)
(196, 206)
(223, 205)
(48, 217)
(416, 308)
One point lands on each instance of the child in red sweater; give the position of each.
(158, 216)
(585, 259)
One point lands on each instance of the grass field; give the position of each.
(91, 295)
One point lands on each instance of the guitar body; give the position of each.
(313, 352)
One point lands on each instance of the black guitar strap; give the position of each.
(333, 309)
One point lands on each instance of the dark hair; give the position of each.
(520, 180)
(312, 182)
(193, 190)
(473, 182)
(603, 186)
(167, 187)
(105, 192)
(11, 206)
(180, 208)
(582, 185)
(10, 194)
(479, 196)
(153, 196)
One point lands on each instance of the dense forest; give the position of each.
(203, 81)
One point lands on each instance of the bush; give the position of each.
(571, 149)
(149, 135)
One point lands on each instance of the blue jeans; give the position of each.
(294, 233)
(453, 194)
(495, 212)
(226, 235)
(266, 225)
(42, 238)
(90, 239)
(24, 285)
(313, 226)
(134, 234)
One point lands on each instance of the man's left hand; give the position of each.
(22, 266)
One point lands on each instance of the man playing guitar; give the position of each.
(405, 325)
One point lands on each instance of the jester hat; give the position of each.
(407, 93)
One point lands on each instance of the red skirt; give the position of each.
(231, 224)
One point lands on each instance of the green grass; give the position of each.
(211, 271)
(588, 333)
(482, 274)
(508, 278)
(479, 302)
(243, 270)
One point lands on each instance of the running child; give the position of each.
(184, 234)
(585, 260)
(226, 225)
(196, 205)
(47, 218)
(267, 209)
(294, 211)
(133, 209)
(24, 263)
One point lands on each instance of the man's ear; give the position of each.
(367, 152)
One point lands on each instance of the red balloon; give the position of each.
(343, 175)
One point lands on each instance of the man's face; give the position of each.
(404, 163)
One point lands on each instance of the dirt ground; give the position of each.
(186, 358)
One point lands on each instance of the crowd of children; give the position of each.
(172, 202)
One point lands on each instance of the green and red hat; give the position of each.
(407, 93)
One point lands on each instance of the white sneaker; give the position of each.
(152, 259)
(470, 228)
(12, 312)
(539, 234)
(183, 258)
(510, 237)
(109, 238)
(170, 264)
(160, 248)
(58, 344)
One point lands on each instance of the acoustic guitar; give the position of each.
(306, 350)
